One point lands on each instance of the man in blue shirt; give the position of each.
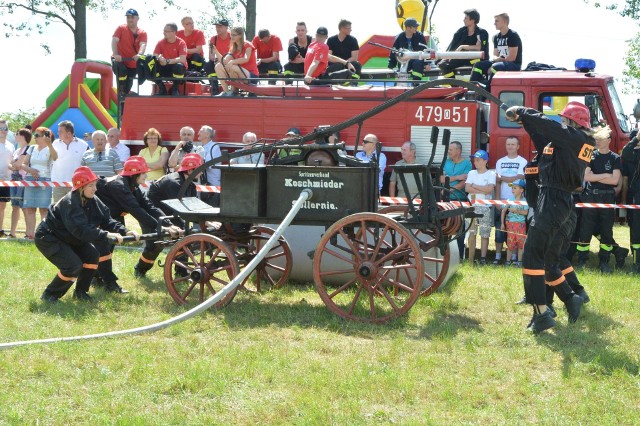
(369, 144)
(456, 169)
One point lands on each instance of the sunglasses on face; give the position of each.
(366, 141)
(4, 129)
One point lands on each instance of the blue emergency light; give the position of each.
(585, 65)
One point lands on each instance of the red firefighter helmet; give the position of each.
(190, 162)
(577, 112)
(134, 166)
(83, 176)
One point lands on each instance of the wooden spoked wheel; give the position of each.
(199, 266)
(435, 267)
(273, 271)
(367, 267)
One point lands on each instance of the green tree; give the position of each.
(250, 17)
(70, 13)
(18, 119)
(629, 9)
(229, 9)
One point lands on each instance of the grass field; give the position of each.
(461, 356)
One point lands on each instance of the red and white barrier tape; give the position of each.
(384, 200)
(46, 184)
(403, 201)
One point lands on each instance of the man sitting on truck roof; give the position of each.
(268, 47)
(507, 52)
(171, 53)
(194, 39)
(344, 47)
(316, 69)
(410, 39)
(468, 38)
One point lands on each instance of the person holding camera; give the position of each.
(37, 164)
(184, 147)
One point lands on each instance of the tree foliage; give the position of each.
(70, 13)
(18, 119)
(629, 9)
(28, 17)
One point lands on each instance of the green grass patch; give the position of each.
(461, 356)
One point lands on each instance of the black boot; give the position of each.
(141, 269)
(574, 305)
(603, 258)
(82, 295)
(635, 269)
(583, 256)
(541, 322)
(56, 289)
(113, 287)
(620, 253)
(162, 91)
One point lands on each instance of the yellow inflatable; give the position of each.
(406, 9)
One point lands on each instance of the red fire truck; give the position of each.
(271, 110)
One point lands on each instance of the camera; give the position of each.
(187, 147)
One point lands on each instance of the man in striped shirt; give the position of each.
(102, 161)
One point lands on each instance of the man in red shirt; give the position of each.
(317, 59)
(268, 48)
(171, 54)
(195, 40)
(218, 44)
(127, 44)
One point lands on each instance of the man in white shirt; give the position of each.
(369, 144)
(70, 150)
(6, 155)
(123, 151)
(509, 169)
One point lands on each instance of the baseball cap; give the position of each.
(411, 22)
(294, 131)
(481, 153)
(322, 31)
(131, 12)
(520, 182)
(223, 22)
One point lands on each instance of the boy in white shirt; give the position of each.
(479, 185)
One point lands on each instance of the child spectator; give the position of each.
(514, 222)
(479, 185)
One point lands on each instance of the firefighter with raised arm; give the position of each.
(561, 164)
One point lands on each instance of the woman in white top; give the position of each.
(23, 137)
(37, 164)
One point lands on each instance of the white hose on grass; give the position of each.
(305, 195)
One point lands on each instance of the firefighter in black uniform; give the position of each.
(74, 237)
(601, 177)
(631, 172)
(563, 238)
(561, 165)
(168, 186)
(122, 195)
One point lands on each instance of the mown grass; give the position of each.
(460, 356)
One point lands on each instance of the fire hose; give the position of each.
(305, 195)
